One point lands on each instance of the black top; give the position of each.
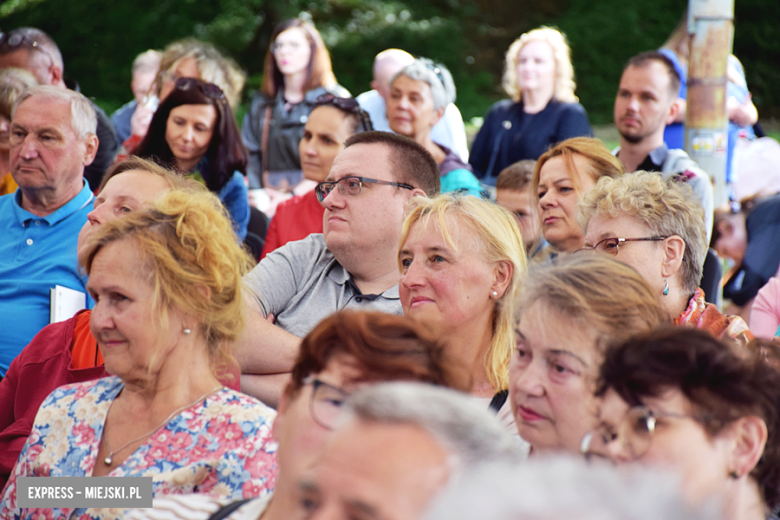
(762, 256)
(512, 135)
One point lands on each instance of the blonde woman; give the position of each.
(166, 282)
(461, 260)
(568, 314)
(542, 111)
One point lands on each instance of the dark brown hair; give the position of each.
(385, 347)
(722, 380)
(412, 164)
(644, 58)
(517, 176)
(319, 72)
(226, 153)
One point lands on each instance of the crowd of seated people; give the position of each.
(526, 330)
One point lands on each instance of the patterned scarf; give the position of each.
(706, 316)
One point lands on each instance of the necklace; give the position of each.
(110, 458)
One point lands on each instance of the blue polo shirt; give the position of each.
(36, 253)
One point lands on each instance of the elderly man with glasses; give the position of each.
(352, 264)
(36, 52)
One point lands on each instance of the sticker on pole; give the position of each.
(77, 492)
(707, 143)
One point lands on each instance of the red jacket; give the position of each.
(295, 219)
(43, 365)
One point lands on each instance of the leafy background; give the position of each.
(99, 39)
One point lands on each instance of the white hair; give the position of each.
(148, 62)
(83, 119)
(551, 488)
(463, 427)
(423, 69)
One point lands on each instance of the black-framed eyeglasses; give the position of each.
(326, 402)
(351, 186)
(349, 105)
(13, 40)
(209, 90)
(635, 433)
(612, 245)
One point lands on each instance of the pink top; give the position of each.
(765, 313)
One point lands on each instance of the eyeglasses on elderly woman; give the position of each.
(326, 402)
(634, 434)
(612, 245)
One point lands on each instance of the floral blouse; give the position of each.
(706, 316)
(220, 447)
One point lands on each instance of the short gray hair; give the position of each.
(423, 69)
(147, 61)
(565, 487)
(465, 429)
(83, 119)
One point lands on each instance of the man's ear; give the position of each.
(90, 149)
(750, 434)
(671, 117)
(674, 251)
(56, 74)
(725, 228)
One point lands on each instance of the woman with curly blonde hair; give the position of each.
(656, 226)
(166, 281)
(462, 260)
(542, 111)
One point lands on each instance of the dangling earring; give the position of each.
(666, 288)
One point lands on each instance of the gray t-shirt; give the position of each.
(302, 282)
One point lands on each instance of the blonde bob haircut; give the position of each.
(668, 207)
(601, 162)
(595, 291)
(564, 70)
(187, 244)
(496, 235)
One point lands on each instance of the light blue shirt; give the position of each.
(36, 253)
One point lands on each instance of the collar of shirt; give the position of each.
(341, 276)
(83, 198)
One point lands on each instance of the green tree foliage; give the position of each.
(100, 39)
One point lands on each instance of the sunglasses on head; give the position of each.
(208, 89)
(15, 40)
(349, 105)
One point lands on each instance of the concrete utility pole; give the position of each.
(711, 25)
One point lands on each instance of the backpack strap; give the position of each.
(225, 511)
(498, 400)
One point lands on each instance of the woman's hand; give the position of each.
(742, 114)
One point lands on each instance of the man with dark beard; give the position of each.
(644, 105)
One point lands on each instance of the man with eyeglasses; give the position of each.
(35, 51)
(352, 264)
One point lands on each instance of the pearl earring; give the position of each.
(495, 294)
(187, 331)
